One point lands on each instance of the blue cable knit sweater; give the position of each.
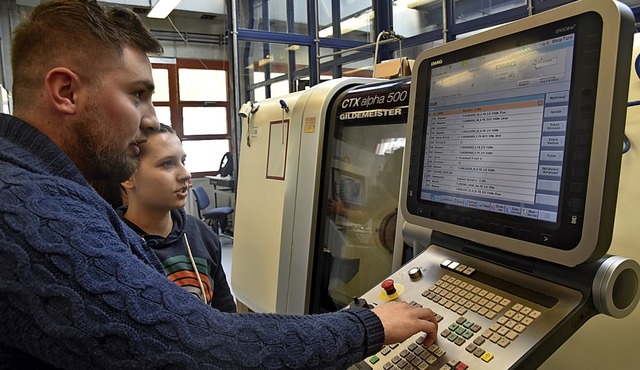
(79, 289)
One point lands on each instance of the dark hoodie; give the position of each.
(205, 249)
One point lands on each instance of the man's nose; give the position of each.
(149, 120)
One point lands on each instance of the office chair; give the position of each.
(216, 217)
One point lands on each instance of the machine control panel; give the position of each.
(489, 317)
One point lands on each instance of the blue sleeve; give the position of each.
(79, 290)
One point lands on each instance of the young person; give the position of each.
(188, 248)
(78, 288)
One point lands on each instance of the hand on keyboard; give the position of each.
(401, 321)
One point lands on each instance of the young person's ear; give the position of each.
(62, 85)
(127, 184)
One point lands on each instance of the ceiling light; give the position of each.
(266, 60)
(350, 24)
(326, 32)
(162, 8)
(415, 4)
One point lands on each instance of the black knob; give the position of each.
(415, 273)
(360, 302)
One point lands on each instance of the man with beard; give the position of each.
(78, 289)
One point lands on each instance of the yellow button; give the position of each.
(486, 357)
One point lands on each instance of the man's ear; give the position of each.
(62, 86)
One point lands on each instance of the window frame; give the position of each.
(176, 105)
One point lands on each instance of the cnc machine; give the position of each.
(511, 175)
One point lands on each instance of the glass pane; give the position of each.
(357, 68)
(325, 11)
(204, 120)
(257, 76)
(360, 68)
(278, 14)
(161, 80)
(253, 70)
(411, 17)
(266, 62)
(279, 88)
(204, 155)
(300, 19)
(300, 54)
(276, 61)
(356, 21)
(251, 15)
(259, 94)
(466, 10)
(202, 84)
(164, 115)
(326, 62)
(413, 52)
(362, 195)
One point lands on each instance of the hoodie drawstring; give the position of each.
(195, 269)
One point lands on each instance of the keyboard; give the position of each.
(489, 316)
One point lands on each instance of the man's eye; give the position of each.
(139, 95)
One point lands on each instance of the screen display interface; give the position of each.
(496, 129)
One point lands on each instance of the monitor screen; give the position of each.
(512, 134)
(496, 130)
(348, 187)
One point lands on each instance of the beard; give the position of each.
(100, 155)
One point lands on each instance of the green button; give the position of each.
(374, 359)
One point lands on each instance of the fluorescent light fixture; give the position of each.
(162, 8)
(414, 4)
(326, 32)
(350, 24)
(266, 60)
